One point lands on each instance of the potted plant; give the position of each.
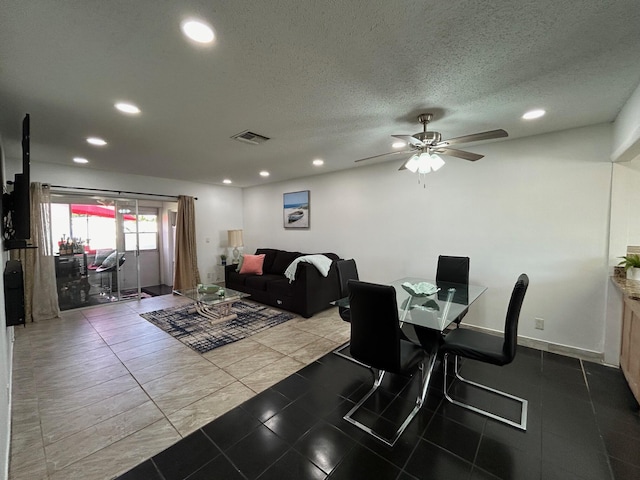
(223, 259)
(631, 264)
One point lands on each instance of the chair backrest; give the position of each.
(513, 315)
(347, 270)
(453, 269)
(375, 327)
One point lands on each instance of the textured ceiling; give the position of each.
(323, 79)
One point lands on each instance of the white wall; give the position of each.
(6, 361)
(626, 132)
(538, 205)
(218, 209)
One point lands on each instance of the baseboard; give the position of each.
(588, 355)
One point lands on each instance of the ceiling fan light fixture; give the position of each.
(424, 163)
(412, 164)
(398, 144)
(436, 162)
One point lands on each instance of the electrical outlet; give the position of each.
(539, 324)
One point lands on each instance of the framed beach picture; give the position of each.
(296, 209)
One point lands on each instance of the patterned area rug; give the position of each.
(203, 335)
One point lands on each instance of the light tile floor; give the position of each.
(101, 389)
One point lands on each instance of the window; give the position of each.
(147, 230)
(94, 226)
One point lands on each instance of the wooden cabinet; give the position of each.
(630, 349)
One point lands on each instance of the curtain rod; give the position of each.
(117, 191)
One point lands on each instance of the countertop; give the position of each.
(630, 288)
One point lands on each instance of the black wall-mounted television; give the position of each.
(16, 209)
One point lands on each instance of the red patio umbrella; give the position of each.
(98, 211)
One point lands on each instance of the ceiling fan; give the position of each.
(427, 145)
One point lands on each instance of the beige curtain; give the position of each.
(40, 292)
(186, 271)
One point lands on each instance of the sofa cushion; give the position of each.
(234, 278)
(252, 264)
(280, 288)
(259, 282)
(269, 257)
(283, 260)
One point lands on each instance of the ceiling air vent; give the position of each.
(250, 137)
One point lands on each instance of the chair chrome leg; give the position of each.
(522, 425)
(338, 351)
(425, 376)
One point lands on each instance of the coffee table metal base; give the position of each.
(216, 313)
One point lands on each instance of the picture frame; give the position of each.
(296, 209)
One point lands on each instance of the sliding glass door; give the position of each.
(108, 249)
(127, 242)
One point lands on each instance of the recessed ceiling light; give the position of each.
(129, 108)
(398, 144)
(227, 181)
(198, 31)
(318, 161)
(80, 160)
(98, 142)
(530, 115)
(264, 173)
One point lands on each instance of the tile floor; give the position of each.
(101, 389)
(583, 424)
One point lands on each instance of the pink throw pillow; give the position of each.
(252, 264)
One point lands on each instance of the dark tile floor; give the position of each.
(583, 424)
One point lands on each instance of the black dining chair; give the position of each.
(453, 270)
(347, 270)
(450, 270)
(491, 349)
(109, 267)
(376, 341)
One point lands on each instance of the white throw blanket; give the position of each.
(321, 262)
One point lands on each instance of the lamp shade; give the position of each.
(235, 238)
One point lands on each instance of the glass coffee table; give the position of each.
(212, 301)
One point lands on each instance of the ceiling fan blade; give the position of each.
(410, 140)
(474, 137)
(458, 153)
(381, 155)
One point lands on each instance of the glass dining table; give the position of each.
(434, 311)
(430, 306)
(429, 313)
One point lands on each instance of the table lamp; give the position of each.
(235, 241)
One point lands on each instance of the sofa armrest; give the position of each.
(227, 269)
(311, 291)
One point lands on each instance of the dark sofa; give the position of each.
(309, 293)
